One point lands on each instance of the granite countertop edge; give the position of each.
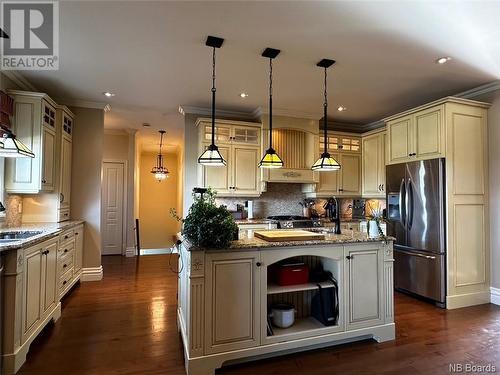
(257, 244)
(48, 230)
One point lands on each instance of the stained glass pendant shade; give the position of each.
(325, 163)
(13, 147)
(271, 158)
(211, 157)
(159, 170)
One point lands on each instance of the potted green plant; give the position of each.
(208, 225)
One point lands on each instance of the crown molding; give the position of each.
(480, 90)
(203, 111)
(19, 80)
(259, 112)
(82, 103)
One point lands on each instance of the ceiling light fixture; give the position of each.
(159, 170)
(243, 95)
(271, 158)
(13, 147)
(108, 94)
(443, 60)
(341, 108)
(3, 34)
(211, 157)
(325, 163)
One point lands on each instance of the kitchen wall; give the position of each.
(157, 226)
(494, 170)
(88, 138)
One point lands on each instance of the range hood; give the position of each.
(296, 141)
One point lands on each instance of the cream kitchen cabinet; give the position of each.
(240, 145)
(232, 301)
(416, 136)
(373, 166)
(65, 119)
(363, 283)
(34, 124)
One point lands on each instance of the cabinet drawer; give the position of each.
(65, 248)
(65, 279)
(65, 263)
(63, 214)
(67, 235)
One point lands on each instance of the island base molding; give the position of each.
(208, 364)
(12, 362)
(92, 274)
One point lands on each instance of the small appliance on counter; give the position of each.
(332, 211)
(249, 208)
(240, 213)
(358, 209)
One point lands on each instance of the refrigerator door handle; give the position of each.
(409, 202)
(402, 203)
(416, 254)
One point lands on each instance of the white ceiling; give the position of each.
(152, 55)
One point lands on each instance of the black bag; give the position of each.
(325, 303)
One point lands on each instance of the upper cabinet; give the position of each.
(34, 123)
(373, 168)
(416, 136)
(65, 119)
(346, 149)
(240, 145)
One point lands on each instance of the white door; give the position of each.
(113, 183)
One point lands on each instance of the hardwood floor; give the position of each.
(126, 325)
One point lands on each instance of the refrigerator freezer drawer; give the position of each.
(419, 273)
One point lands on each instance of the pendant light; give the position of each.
(13, 147)
(271, 158)
(325, 163)
(159, 170)
(211, 157)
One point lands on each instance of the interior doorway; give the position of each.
(113, 200)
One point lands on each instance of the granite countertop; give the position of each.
(48, 230)
(247, 240)
(254, 221)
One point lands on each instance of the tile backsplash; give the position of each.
(13, 217)
(283, 199)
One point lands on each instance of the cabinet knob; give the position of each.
(258, 264)
(64, 282)
(65, 265)
(341, 189)
(44, 181)
(349, 257)
(65, 250)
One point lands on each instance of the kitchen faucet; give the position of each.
(332, 210)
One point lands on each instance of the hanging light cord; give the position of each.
(159, 161)
(270, 103)
(325, 114)
(213, 97)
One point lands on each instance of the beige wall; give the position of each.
(494, 163)
(120, 146)
(86, 179)
(190, 156)
(157, 227)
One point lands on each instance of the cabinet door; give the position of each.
(400, 142)
(23, 175)
(245, 171)
(219, 178)
(329, 182)
(48, 158)
(232, 295)
(364, 287)
(350, 174)
(49, 276)
(32, 290)
(373, 166)
(78, 248)
(428, 133)
(246, 135)
(65, 178)
(222, 133)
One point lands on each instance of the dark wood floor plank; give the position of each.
(126, 325)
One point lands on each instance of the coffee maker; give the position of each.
(332, 211)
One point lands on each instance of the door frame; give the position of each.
(125, 194)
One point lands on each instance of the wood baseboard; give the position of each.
(495, 296)
(92, 274)
(469, 299)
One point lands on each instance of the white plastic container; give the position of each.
(283, 315)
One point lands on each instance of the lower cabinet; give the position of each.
(363, 287)
(232, 301)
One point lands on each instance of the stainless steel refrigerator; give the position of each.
(416, 218)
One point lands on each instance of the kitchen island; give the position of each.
(225, 297)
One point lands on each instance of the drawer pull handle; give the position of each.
(66, 237)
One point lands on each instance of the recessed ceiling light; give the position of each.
(146, 124)
(243, 95)
(443, 60)
(341, 108)
(108, 94)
